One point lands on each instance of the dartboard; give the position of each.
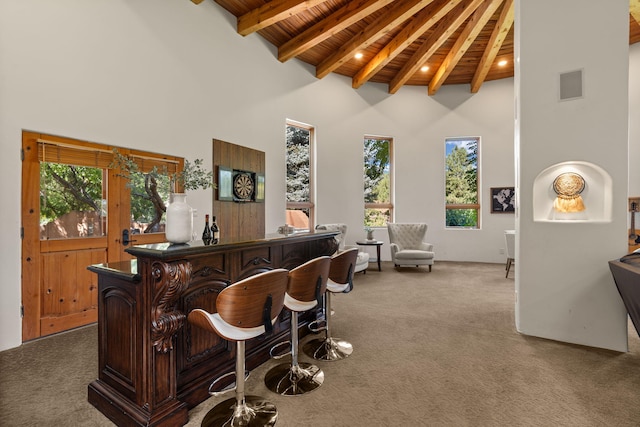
(243, 186)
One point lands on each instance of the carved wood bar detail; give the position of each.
(171, 280)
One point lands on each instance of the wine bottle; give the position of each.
(215, 231)
(206, 234)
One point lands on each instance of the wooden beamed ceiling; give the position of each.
(460, 41)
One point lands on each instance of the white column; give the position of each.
(564, 290)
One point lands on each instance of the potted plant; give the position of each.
(369, 231)
(179, 215)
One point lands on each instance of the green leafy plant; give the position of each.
(192, 177)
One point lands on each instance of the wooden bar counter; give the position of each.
(153, 365)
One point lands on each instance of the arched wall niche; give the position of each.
(596, 196)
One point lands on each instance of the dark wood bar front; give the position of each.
(153, 365)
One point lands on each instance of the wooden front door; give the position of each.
(76, 211)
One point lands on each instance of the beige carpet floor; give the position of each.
(430, 349)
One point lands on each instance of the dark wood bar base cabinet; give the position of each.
(153, 365)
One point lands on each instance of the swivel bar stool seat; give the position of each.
(245, 310)
(307, 285)
(340, 281)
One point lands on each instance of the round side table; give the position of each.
(376, 243)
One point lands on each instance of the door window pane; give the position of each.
(72, 201)
(149, 196)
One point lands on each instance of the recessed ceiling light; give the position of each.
(502, 63)
(359, 55)
(424, 68)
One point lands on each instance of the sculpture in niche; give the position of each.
(568, 187)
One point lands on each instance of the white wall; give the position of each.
(565, 290)
(168, 76)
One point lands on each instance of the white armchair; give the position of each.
(408, 247)
(363, 257)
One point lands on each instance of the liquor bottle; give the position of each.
(206, 234)
(215, 231)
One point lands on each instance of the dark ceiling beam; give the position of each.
(498, 36)
(343, 18)
(271, 13)
(385, 23)
(441, 33)
(477, 22)
(414, 28)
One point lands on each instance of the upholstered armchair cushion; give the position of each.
(342, 228)
(362, 261)
(408, 246)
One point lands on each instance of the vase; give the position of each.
(370, 235)
(179, 227)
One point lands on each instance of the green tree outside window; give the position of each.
(461, 182)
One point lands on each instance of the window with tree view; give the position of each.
(300, 201)
(71, 201)
(461, 182)
(149, 185)
(378, 208)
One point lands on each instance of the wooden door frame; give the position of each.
(117, 216)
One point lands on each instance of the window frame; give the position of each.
(310, 204)
(390, 204)
(469, 206)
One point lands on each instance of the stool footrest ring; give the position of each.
(279, 355)
(317, 325)
(229, 387)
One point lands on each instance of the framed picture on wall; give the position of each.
(225, 183)
(503, 200)
(259, 187)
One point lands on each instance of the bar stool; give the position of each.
(307, 285)
(245, 310)
(340, 281)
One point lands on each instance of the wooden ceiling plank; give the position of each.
(443, 30)
(479, 19)
(423, 21)
(271, 13)
(348, 15)
(634, 10)
(475, 67)
(498, 36)
(387, 22)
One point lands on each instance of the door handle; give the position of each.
(125, 238)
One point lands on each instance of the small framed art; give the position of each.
(225, 183)
(260, 187)
(503, 200)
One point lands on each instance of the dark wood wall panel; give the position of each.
(238, 220)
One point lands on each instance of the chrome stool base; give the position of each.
(256, 412)
(328, 349)
(288, 380)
